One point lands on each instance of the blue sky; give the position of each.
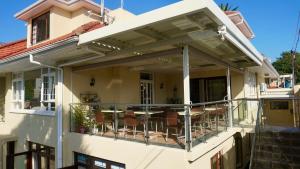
(273, 21)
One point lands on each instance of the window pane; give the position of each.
(279, 105)
(40, 28)
(100, 164)
(146, 76)
(217, 89)
(116, 167)
(17, 90)
(32, 89)
(49, 82)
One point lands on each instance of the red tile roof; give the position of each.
(237, 18)
(19, 47)
(12, 47)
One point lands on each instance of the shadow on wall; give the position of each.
(38, 129)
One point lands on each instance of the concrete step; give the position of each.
(273, 148)
(271, 156)
(277, 149)
(269, 164)
(285, 134)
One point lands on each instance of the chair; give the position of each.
(130, 121)
(171, 123)
(197, 120)
(102, 121)
(220, 111)
(157, 119)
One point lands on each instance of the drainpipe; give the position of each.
(59, 116)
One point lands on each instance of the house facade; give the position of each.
(176, 87)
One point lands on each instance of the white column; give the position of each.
(186, 94)
(59, 115)
(186, 75)
(230, 113)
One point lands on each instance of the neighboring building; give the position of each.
(176, 87)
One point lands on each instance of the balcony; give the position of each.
(172, 125)
(281, 87)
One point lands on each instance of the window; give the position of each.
(48, 88)
(34, 90)
(40, 28)
(43, 157)
(17, 88)
(86, 162)
(279, 105)
(217, 161)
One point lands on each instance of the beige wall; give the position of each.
(35, 128)
(121, 85)
(113, 85)
(139, 155)
(118, 84)
(62, 22)
(227, 149)
(282, 118)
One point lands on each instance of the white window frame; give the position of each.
(17, 98)
(42, 110)
(152, 82)
(49, 74)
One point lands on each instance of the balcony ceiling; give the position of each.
(198, 29)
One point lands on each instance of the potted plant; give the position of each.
(80, 118)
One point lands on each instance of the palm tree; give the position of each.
(227, 7)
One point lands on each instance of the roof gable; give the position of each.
(68, 5)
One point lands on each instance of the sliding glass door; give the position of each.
(208, 89)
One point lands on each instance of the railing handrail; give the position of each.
(256, 132)
(167, 105)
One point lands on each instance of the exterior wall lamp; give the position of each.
(92, 83)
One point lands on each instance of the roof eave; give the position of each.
(234, 31)
(62, 43)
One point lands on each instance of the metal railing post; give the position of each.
(147, 125)
(217, 119)
(116, 121)
(71, 119)
(188, 134)
(256, 132)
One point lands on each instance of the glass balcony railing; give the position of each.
(173, 125)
